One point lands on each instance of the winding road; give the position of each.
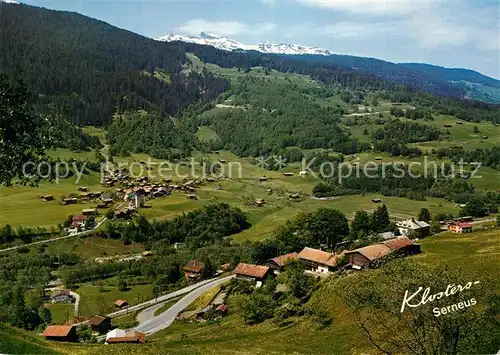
(151, 324)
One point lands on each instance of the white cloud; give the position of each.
(224, 28)
(378, 7)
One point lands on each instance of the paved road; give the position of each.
(77, 301)
(160, 299)
(162, 321)
(55, 239)
(59, 238)
(149, 313)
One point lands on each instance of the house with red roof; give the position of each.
(60, 333)
(460, 227)
(252, 272)
(318, 260)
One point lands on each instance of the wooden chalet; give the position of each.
(252, 272)
(460, 227)
(60, 333)
(89, 211)
(193, 270)
(318, 260)
(278, 263)
(69, 201)
(101, 324)
(414, 228)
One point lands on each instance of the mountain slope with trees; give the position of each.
(85, 69)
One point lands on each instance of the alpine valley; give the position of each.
(196, 195)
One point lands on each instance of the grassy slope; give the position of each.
(475, 255)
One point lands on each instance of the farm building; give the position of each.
(89, 211)
(252, 272)
(47, 198)
(69, 201)
(61, 296)
(131, 338)
(363, 257)
(192, 197)
(101, 324)
(121, 303)
(60, 333)
(259, 202)
(78, 221)
(318, 260)
(460, 227)
(115, 333)
(287, 174)
(193, 270)
(83, 189)
(376, 200)
(303, 173)
(414, 228)
(402, 244)
(278, 263)
(263, 178)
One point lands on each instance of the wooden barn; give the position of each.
(60, 333)
(363, 257)
(278, 263)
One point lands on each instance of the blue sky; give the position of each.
(451, 33)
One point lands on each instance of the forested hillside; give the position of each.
(86, 70)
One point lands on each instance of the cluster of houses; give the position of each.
(321, 262)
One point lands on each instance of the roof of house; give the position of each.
(57, 330)
(97, 320)
(79, 218)
(222, 308)
(463, 224)
(194, 266)
(256, 271)
(372, 252)
(413, 224)
(120, 302)
(132, 337)
(60, 293)
(116, 333)
(318, 256)
(398, 243)
(283, 259)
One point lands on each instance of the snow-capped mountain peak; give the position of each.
(232, 45)
(9, 1)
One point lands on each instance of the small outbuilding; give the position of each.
(193, 270)
(121, 303)
(101, 324)
(278, 263)
(60, 333)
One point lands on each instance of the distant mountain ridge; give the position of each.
(464, 83)
(227, 44)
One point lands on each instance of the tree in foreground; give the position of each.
(24, 135)
(470, 325)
